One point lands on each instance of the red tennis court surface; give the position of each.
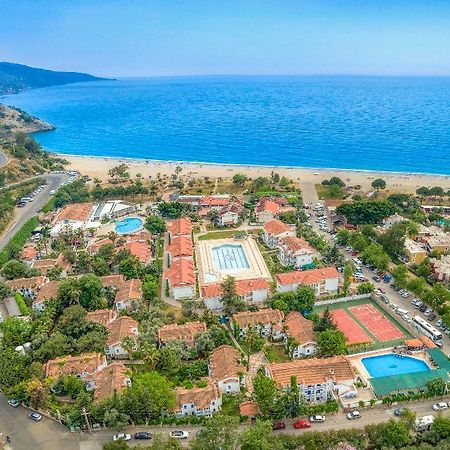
(383, 329)
(352, 331)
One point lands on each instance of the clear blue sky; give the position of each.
(175, 37)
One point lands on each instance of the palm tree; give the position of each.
(129, 345)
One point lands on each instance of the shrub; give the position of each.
(21, 304)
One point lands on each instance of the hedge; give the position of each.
(18, 240)
(49, 206)
(20, 301)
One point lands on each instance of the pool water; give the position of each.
(128, 225)
(392, 364)
(229, 258)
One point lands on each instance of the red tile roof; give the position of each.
(295, 244)
(94, 247)
(249, 409)
(267, 205)
(115, 280)
(253, 318)
(276, 227)
(113, 378)
(307, 277)
(74, 365)
(224, 362)
(76, 212)
(211, 200)
(180, 246)
(121, 327)
(185, 332)
(47, 292)
(201, 397)
(243, 287)
(180, 273)
(28, 253)
(102, 316)
(27, 283)
(129, 290)
(141, 250)
(299, 328)
(312, 371)
(179, 227)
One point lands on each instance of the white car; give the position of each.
(317, 418)
(439, 406)
(353, 415)
(121, 437)
(179, 434)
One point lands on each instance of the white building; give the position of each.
(266, 322)
(226, 370)
(275, 231)
(119, 329)
(180, 277)
(301, 331)
(295, 252)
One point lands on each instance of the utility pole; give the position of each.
(86, 419)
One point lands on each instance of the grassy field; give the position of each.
(223, 234)
(275, 353)
(376, 345)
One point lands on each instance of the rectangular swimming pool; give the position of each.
(393, 364)
(229, 258)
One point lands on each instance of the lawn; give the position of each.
(327, 192)
(275, 353)
(223, 234)
(230, 405)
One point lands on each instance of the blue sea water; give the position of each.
(370, 123)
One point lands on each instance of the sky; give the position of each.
(248, 37)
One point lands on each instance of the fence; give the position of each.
(349, 298)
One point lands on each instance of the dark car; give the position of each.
(431, 317)
(278, 426)
(376, 278)
(143, 435)
(398, 411)
(423, 308)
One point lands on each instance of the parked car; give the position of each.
(427, 312)
(376, 278)
(439, 323)
(35, 416)
(121, 437)
(431, 317)
(423, 308)
(439, 406)
(14, 403)
(302, 424)
(143, 435)
(179, 434)
(398, 411)
(278, 426)
(353, 415)
(317, 418)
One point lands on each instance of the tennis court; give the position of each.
(377, 324)
(352, 331)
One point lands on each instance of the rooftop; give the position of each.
(308, 277)
(112, 378)
(185, 332)
(201, 397)
(182, 226)
(78, 212)
(129, 290)
(413, 246)
(27, 283)
(254, 318)
(180, 273)
(180, 246)
(74, 365)
(299, 328)
(115, 280)
(276, 227)
(121, 327)
(248, 408)
(243, 287)
(102, 316)
(141, 250)
(47, 292)
(224, 362)
(295, 244)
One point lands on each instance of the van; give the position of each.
(52, 192)
(401, 312)
(423, 423)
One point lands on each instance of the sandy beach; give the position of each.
(99, 166)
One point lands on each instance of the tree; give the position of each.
(366, 211)
(14, 269)
(365, 288)
(400, 274)
(257, 436)
(4, 291)
(239, 179)
(440, 429)
(231, 301)
(120, 171)
(392, 434)
(331, 343)
(423, 191)
(305, 299)
(116, 445)
(325, 322)
(264, 390)
(437, 191)
(150, 288)
(155, 224)
(90, 292)
(13, 367)
(379, 184)
(437, 386)
(131, 267)
(219, 432)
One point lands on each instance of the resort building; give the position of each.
(319, 380)
(180, 247)
(184, 333)
(108, 380)
(216, 202)
(179, 227)
(229, 215)
(128, 295)
(266, 322)
(392, 220)
(270, 208)
(415, 253)
(324, 280)
(275, 231)
(28, 287)
(141, 250)
(441, 268)
(123, 327)
(295, 252)
(198, 401)
(112, 281)
(252, 291)
(102, 316)
(48, 292)
(43, 265)
(226, 370)
(81, 365)
(180, 278)
(301, 331)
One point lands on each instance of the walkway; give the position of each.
(257, 360)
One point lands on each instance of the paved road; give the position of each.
(22, 215)
(3, 159)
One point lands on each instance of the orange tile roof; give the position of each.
(129, 290)
(201, 397)
(44, 264)
(299, 328)
(94, 247)
(180, 273)
(243, 287)
(249, 409)
(312, 371)
(427, 342)
(74, 365)
(185, 332)
(27, 283)
(76, 212)
(307, 277)
(28, 253)
(295, 244)
(115, 280)
(276, 227)
(252, 318)
(121, 327)
(102, 316)
(180, 246)
(113, 378)
(224, 362)
(413, 343)
(211, 200)
(47, 292)
(268, 205)
(180, 226)
(141, 250)
(139, 236)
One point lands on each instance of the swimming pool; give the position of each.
(229, 258)
(392, 364)
(128, 225)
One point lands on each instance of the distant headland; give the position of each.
(16, 78)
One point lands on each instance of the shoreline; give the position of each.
(396, 181)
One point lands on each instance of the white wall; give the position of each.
(183, 292)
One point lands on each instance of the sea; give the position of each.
(397, 124)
